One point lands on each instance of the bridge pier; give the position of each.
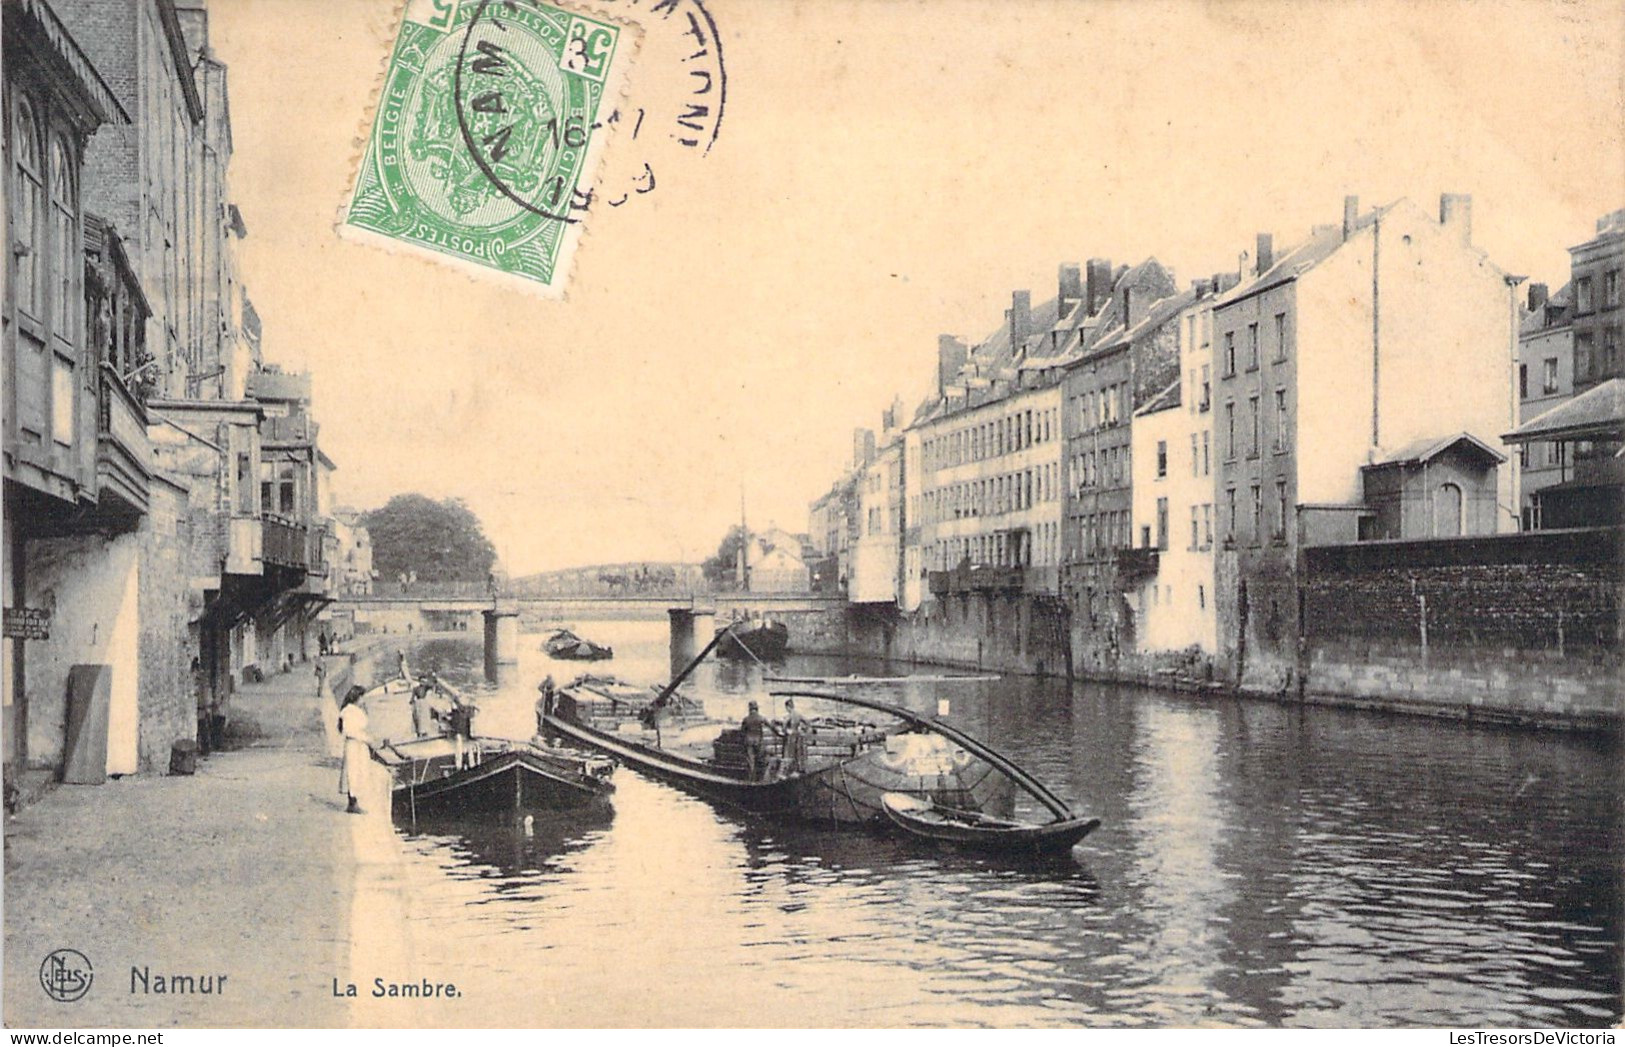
(687, 624)
(501, 641)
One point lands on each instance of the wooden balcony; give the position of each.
(123, 452)
(976, 578)
(285, 543)
(1136, 565)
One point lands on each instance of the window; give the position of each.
(1583, 302)
(1207, 524)
(1281, 508)
(1230, 512)
(26, 216)
(1206, 468)
(1230, 432)
(1610, 352)
(1584, 349)
(1548, 381)
(1610, 289)
(61, 400)
(1229, 353)
(1196, 528)
(245, 484)
(1162, 459)
(1258, 513)
(1201, 597)
(1280, 420)
(1207, 388)
(1162, 523)
(1252, 414)
(67, 260)
(1280, 337)
(1523, 381)
(1145, 536)
(1252, 347)
(1196, 458)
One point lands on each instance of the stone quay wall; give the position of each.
(1514, 628)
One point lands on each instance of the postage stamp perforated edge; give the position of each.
(616, 92)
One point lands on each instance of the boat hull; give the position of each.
(513, 782)
(923, 821)
(843, 792)
(766, 642)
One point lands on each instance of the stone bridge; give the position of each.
(427, 612)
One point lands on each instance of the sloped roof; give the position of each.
(1301, 257)
(1084, 333)
(1163, 401)
(1160, 311)
(1418, 451)
(1599, 411)
(1554, 314)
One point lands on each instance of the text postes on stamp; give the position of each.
(485, 134)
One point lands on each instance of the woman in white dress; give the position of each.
(353, 726)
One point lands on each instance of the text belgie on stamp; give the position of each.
(486, 133)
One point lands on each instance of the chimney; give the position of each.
(863, 446)
(1266, 253)
(950, 358)
(1131, 305)
(1537, 297)
(1099, 284)
(1351, 215)
(1456, 212)
(1021, 318)
(1069, 291)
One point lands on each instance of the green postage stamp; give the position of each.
(485, 135)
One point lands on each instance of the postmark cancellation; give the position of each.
(487, 130)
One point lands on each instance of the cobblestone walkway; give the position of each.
(246, 870)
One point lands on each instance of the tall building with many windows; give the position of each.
(1320, 434)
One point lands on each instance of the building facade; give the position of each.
(1545, 379)
(1596, 315)
(133, 445)
(1172, 470)
(1318, 354)
(1119, 357)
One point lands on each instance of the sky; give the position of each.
(886, 170)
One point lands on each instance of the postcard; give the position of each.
(787, 515)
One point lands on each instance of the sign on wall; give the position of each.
(27, 623)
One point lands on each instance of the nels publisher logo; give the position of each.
(66, 975)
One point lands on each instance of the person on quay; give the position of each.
(796, 729)
(422, 713)
(353, 726)
(752, 728)
(545, 704)
(400, 664)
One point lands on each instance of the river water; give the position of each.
(1257, 864)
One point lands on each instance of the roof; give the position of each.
(1159, 314)
(1599, 411)
(101, 105)
(1553, 314)
(1081, 333)
(1421, 451)
(1163, 401)
(1301, 257)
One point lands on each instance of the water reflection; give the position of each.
(1257, 863)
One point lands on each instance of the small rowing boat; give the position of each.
(567, 646)
(925, 819)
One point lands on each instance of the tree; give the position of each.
(438, 541)
(721, 567)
